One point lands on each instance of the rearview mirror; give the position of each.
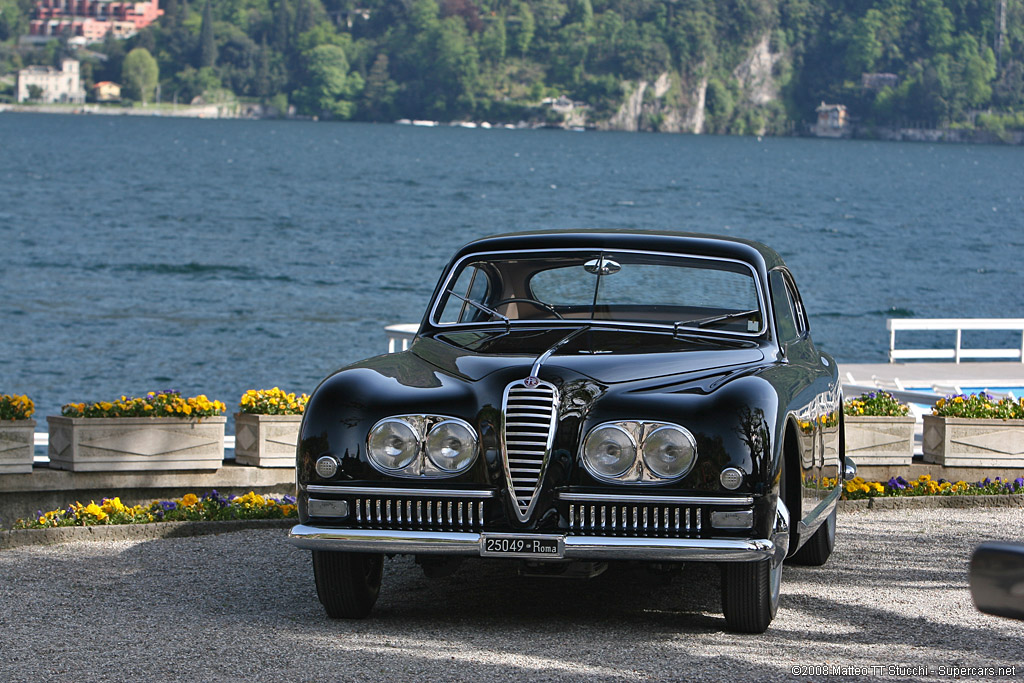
(602, 266)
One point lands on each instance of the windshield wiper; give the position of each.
(711, 320)
(485, 309)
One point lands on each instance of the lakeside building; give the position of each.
(832, 121)
(92, 19)
(63, 85)
(107, 91)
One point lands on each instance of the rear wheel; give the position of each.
(816, 551)
(347, 583)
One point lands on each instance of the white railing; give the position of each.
(957, 325)
(400, 336)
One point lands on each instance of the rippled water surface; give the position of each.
(216, 256)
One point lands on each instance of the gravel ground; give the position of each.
(242, 605)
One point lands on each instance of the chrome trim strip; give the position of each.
(547, 354)
(676, 500)
(343, 490)
(576, 547)
(818, 516)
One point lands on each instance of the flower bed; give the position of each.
(14, 407)
(168, 403)
(858, 488)
(189, 508)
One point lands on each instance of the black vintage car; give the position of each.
(577, 398)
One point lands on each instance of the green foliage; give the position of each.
(449, 59)
(139, 74)
(330, 88)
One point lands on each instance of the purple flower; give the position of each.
(290, 500)
(1019, 482)
(168, 505)
(897, 483)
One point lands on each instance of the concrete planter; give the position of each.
(880, 440)
(106, 444)
(967, 442)
(17, 446)
(266, 440)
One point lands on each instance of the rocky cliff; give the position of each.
(674, 104)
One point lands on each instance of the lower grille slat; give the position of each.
(392, 512)
(650, 521)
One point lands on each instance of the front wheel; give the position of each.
(347, 583)
(750, 594)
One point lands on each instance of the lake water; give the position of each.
(217, 256)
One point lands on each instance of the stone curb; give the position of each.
(919, 502)
(16, 538)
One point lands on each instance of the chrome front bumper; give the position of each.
(573, 547)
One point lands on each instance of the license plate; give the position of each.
(522, 545)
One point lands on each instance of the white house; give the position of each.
(64, 85)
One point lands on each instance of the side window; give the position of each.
(471, 284)
(798, 306)
(785, 317)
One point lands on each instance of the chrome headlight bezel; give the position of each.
(422, 464)
(641, 471)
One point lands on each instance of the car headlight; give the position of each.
(667, 452)
(451, 445)
(393, 444)
(422, 446)
(609, 451)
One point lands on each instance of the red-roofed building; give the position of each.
(92, 19)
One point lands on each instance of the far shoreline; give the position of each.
(254, 111)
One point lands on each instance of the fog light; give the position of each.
(327, 508)
(326, 467)
(731, 478)
(740, 519)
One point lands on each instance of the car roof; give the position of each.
(661, 241)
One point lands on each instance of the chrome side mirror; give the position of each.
(850, 470)
(997, 579)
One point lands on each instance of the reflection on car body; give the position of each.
(577, 398)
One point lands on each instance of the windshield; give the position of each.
(638, 288)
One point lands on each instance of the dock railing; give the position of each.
(957, 325)
(400, 336)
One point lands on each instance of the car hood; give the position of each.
(608, 356)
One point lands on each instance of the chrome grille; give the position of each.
(410, 513)
(529, 423)
(611, 519)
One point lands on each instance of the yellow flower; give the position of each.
(189, 500)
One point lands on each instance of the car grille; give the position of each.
(530, 414)
(611, 519)
(379, 512)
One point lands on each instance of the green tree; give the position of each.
(523, 34)
(140, 74)
(865, 49)
(207, 43)
(13, 20)
(378, 100)
(330, 89)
